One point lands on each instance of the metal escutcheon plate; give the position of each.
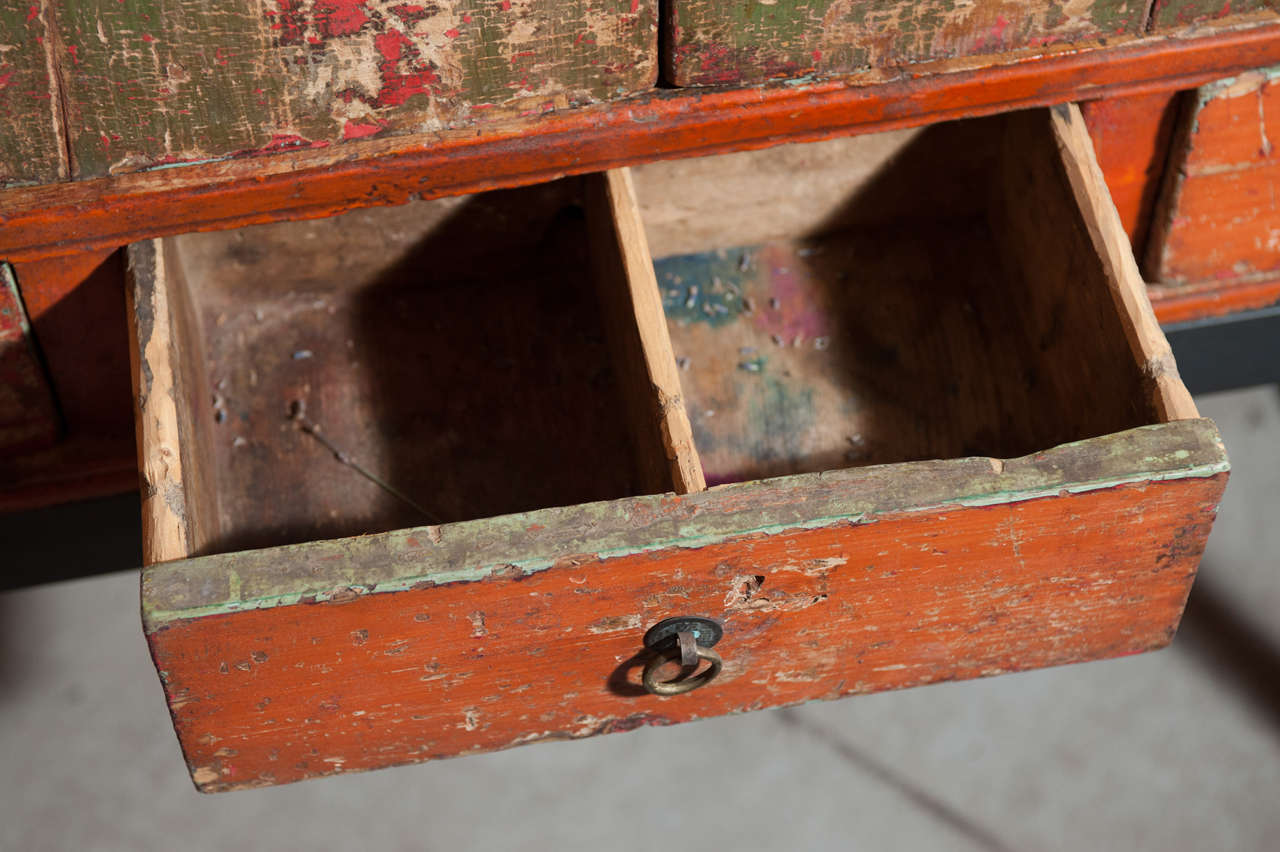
(663, 634)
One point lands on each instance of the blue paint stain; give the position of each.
(705, 287)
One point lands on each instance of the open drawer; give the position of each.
(945, 438)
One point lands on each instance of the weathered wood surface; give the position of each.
(179, 509)
(716, 43)
(453, 349)
(309, 183)
(361, 653)
(32, 148)
(1109, 247)
(925, 295)
(75, 306)
(174, 81)
(28, 416)
(1219, 221)
(1169, 15)
(637, 334)
(1131, 136)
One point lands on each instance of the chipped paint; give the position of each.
(715, 43)
(165, 82)
(515, 546)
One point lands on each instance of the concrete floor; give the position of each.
(1171, 751)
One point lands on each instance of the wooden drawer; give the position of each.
(944, 435)
(1215, 230)
(714, 43)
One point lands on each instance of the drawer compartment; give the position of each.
(943, 433)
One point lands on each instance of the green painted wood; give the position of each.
(157, 82)
(31, 150)
(1176, 14)
(525, 543)
(714, 42)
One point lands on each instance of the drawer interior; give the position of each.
(920, 294)
(953, 291)
(437, 362)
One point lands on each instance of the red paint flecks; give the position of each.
(635, 6)
(359, 130)
(817, 56)
(292, 21)
(398, 86)
(5, 78)
(340, 17)
(506, 5)
(411, 12)
(148, 37)
(452, 33)
(33, 12)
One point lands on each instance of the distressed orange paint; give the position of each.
(274, 695)
(1131, 137)
(1221, 220)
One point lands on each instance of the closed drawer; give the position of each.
(944, 437)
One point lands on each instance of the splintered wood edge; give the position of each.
(166, 361)
(1147, 342)
(166, 529)
(518, 545)
(656, 353)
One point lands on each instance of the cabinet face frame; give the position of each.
(331, 656)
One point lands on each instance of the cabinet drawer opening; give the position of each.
(919, 294)
(438, 362)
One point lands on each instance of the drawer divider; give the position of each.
(667, 459)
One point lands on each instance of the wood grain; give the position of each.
(717, 43)
(668, 460)
(361, 653)
(914, 301)
(32, 145)
(1173, 15)
(176, 81)
(179, 509)
(1109, 242)
(453, 349)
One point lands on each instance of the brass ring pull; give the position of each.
(688, 684)
(688, 640)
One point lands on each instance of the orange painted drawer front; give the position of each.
(409, 496)
(1215, 245)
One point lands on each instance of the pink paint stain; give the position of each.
(359, 130)
(997, 31)
(799, 310)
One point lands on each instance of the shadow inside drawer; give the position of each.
(437, 362)
(912, 295)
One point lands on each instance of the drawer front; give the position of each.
(212, 79)
(491, 626)
(1214, 241)
(744, 42)
(441, 641)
